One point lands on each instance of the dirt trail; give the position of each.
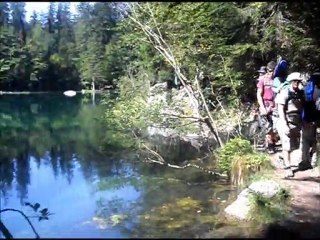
(305, 192)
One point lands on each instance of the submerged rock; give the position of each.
(240, 208)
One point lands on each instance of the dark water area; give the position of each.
(52, 153)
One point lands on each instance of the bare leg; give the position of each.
(287, 163)
(314, 155)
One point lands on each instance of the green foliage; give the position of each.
(225, 40)
(238, 159)
(267, 210)
(234, 148)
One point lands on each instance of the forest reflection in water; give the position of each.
(52, 152)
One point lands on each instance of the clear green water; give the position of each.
(52, 153)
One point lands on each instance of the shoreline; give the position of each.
(49, 92)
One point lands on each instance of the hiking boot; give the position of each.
(288, 173)
(280, 161)
(271, 148)
(304, 165)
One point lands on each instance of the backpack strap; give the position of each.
(292, 95)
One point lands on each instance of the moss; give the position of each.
(207, 219)
(267, 210)
(177, 216)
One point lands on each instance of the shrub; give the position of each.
(238, 159)
(243, 166)
(235, 147)
(266, 210)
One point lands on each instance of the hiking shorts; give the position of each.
(292, 141)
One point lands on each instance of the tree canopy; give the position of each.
(228, 41)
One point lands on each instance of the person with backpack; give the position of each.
(262, 71)
(266, 103)
(290, 102)
(279, 75)
(311, 119)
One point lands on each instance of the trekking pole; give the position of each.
(279, 58)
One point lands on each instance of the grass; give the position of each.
(263, 174)
(268, 210)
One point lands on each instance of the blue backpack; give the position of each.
(279, 75)
(310, 111)
(309, 88)
(281, 69)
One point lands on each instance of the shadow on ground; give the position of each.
(292, 230)
(307, 179)
(304, 220)
(303, 223)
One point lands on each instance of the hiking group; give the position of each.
(291, 107)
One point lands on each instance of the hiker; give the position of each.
(311, 117)
(279, 82)
(279, 75)
(290, 102)
(262, 71)
(265, 99)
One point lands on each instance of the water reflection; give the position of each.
(51, 152)
(50, 129)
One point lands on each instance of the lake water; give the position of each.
(52, 152)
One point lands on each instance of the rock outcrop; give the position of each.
(177, 106)
(240, 208)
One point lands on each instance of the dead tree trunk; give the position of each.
(156, 39)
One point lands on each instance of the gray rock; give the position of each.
(244, 193)
(268, 188)
(241, 207)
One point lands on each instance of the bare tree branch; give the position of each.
(5, 231)
(15, 210)
(161, 161)
(186, 166)
(212, 122)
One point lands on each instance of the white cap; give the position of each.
(294, 76)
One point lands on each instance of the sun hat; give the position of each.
(263, 69)
(294, 76)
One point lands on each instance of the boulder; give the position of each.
(240, 208)
(267, 188)
(173, 104)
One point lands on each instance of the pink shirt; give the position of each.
(265, 84)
